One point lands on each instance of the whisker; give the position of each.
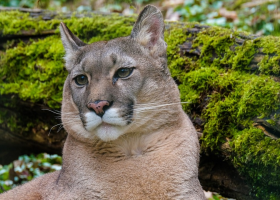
(162, 104)
(145, 104)
(53, 127)
(60, 127)
(77, 117)
(151, 108)
(70, 113)
(65, 122)
(69, 117)
(158, 106)
(65, 114)
(68, 121)
(53, 111)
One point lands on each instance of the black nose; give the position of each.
(99, 106)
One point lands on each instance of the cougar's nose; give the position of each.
(99, 106)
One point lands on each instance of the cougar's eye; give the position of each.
(123, 72)
(81, 80)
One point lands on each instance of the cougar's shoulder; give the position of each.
(33, 190)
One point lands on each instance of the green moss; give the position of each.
(222, 89)
(258, 157)
(174, 38)
(92, 28)
(234, 96)
(35, 71)
(225, 48)
(269, 46)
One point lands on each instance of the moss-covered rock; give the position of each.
(216, 80)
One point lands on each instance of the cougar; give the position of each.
(128, 136)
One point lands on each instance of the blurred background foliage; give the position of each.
(260, 17)
(26, 168)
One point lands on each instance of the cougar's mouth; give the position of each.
(108, 127)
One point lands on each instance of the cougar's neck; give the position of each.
(79, 157)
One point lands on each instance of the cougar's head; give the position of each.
(115, 87)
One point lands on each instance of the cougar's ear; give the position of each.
(70, 42)
(149, 29)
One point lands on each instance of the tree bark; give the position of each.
(215, 172)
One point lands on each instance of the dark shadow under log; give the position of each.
(216, 174)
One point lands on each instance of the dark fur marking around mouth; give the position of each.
(130, 113)
(82, 119)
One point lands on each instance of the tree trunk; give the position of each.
(28, 123)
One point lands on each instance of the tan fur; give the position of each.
(154, 156)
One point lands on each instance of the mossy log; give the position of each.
(229, 79)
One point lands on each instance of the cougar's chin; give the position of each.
(107, 128)
(108, 132)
